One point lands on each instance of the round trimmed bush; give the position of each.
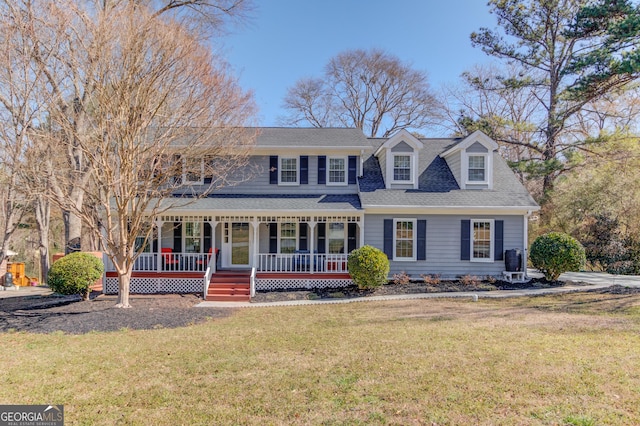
(555, 253)
(75, 273)
(368, 267)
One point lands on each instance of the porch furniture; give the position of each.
(170, 261)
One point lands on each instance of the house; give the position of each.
(448, 206)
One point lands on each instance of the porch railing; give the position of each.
(263, 262)
(173, 262)
(302, 262)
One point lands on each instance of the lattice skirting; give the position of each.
(267, 284)
(157, 285)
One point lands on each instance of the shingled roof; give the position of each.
(437, 186)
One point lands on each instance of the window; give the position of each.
(192, 237)
(402, 168)
(193, 170)
(336, 238)
(481, 240)
(477, 171)
(288, 171)
(287, 237)
(404, 239)
(337, 171)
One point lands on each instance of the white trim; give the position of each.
(282, 157)
(414, 221)
(488, 169)
(328, 169)
(295, 238)
(492, 235)
(401, 136)
(345, 237)
(474, 137)
(457, 210)
(390, 169)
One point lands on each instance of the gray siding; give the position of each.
(477, 148)
(443, 245)
(402, 147)
(254, 179)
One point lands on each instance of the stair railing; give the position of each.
(211, 269)
(252, 282)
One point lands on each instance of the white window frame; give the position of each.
(492, 231)
(414, 221)
(488, 168)
(280, 170)
(185, 172)
(345, 161)
(345, 232)
(411, 168)
(198, 237)
(295, 237)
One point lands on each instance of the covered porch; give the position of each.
(284, 251)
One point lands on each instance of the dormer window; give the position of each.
(477, 170)
(402, 168)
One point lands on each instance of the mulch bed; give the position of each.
(69, 314)
(413, 287)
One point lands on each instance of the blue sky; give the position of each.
(292, 39)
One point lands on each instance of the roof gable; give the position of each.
(403, 139)
(477, 137)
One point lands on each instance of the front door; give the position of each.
(240, 247)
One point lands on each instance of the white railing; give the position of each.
(301, 262)
(172, 262)
(211, 269)
(252, 283)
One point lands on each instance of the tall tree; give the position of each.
(549, 40)
(370, 90)
(66, 79)
(21, 108)
(160, 102)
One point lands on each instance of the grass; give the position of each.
(554, 360)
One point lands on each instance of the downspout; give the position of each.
(525, 249)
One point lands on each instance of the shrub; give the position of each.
(468, 280)
(402, 278)
(431, 279)
(368, 266)
(75, 273)
(555, 253)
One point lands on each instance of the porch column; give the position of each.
(213, 224)
(159, 224)
(361, 228)
(256, 231)
(312, 240)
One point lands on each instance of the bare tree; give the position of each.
(21, 108)
(158, 100)
(66, 71)
(370, 90)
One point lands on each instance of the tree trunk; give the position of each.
(43, 218)
(124, 284)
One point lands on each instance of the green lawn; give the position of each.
(570, 359)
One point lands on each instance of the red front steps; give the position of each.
(230, 286)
